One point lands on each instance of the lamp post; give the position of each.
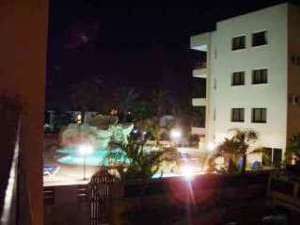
(85, 150)
(176, 135)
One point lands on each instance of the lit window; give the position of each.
(238, 78)
(259, 38)
(259, 115)
(238, 43)
(260, 76)
(237, 115)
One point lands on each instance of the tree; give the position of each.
(86, 95)
(138, 163)
(293, 148)
(126, 99)
(237, 147)
(142, 110)
(160, 102)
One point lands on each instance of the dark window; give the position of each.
(260, 76)
(293, 99)
(277, 157)
(259, 38)
(198, 118)
(259, 115)
(238, 78)
(237, 115)
(198, 88)
(238, 42)
(295, 60)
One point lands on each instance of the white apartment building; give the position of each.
(252, 74)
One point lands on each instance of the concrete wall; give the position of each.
(293, 122)
(272, 56)
(23, 28)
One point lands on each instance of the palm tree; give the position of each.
(160, 101)
(126, 99)
(137, 163)
(236, 147)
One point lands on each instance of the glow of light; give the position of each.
(79, 118)
(85, 149)
(188, 172)
(135, 131)
(211, 146)
(175, 134)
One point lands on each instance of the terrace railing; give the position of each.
(284, 191)
(14, 203)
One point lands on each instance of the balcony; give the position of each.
(15, 205)
(200, 72)
(199, 101)
(200, 42)
(198, 130)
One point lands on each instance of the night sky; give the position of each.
(132, 46)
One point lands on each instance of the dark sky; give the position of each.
(128, 45)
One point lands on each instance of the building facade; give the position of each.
(252, 74)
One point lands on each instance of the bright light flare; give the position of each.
(211, 147)
(188, 172)
(85, 149)
(175, 134)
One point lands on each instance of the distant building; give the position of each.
(252, 75)
(54, 120)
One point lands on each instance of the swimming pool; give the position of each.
(97, 158)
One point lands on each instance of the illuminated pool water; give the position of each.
(97, 158)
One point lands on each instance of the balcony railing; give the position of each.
(200, 73)
(10, 189)
(284, 190)
(199, 101)
(14, 204)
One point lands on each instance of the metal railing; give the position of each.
(10, 203)
(14, 200)
(284, 191)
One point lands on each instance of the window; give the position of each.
(295, 60)
(293, 99)
(259, 38)
(277, 157)
(260, 76)
(237, 115)
(198, 118)
(238, 42)
(259, 115)
(238, 78)
(272, 157)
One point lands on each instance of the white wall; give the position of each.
(224, 61)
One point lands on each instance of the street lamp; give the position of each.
(175, 135)
(84, 150)
(188, 172)
(211, 146)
